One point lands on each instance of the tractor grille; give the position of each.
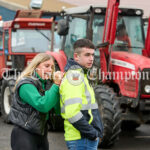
(130, 85)
(145, 80)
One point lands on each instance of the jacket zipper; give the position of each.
(29, 119)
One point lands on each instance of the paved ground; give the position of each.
(56, 139)
(136, 140)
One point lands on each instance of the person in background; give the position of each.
(36, 93)
(82, 122)
(123, 36)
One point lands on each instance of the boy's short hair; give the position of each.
(81, 43)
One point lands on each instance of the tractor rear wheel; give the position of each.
(110, 115)
(6, 98)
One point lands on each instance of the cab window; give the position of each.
(6, 37)
(77, 30)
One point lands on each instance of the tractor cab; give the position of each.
(88, 22)
(29, 32)
(25, 36)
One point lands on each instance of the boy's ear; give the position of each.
(75, 56)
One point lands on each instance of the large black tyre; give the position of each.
(128, 125)
(110, 114)
(6, 98)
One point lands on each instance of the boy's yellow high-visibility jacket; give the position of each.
(78, 105)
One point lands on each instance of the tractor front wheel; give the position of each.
(6, 98)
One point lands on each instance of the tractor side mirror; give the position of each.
(62, 27)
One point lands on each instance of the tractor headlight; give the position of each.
(147, 88)
(138, 12)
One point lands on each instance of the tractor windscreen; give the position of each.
(77, 30)
(98, 28)
(31, 40)
(129, 35)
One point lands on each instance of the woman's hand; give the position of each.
(58, 75)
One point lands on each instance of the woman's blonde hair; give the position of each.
(30, 69)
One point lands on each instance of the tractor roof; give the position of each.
(85, 9)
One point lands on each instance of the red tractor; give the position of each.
(123, 87)
(20, 40)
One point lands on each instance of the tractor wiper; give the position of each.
(43, 34)
(101, 45)
(136, 47)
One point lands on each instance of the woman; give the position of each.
(35, 95)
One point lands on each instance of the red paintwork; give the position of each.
(111, 21)
(2, 60)
(2, 63)
(123, 62)
(24, 23)
(109, 31)
(29, 23)
(146, 51)
(29, 57)
(129, 87)
(145, 96)
(60, 57)
(139, 61)
(32, 23)
(28, 14)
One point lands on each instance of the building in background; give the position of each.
(9, 7)
(6, 13)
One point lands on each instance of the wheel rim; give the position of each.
(7, 100)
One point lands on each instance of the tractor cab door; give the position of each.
(2, 56)
(146, 51)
